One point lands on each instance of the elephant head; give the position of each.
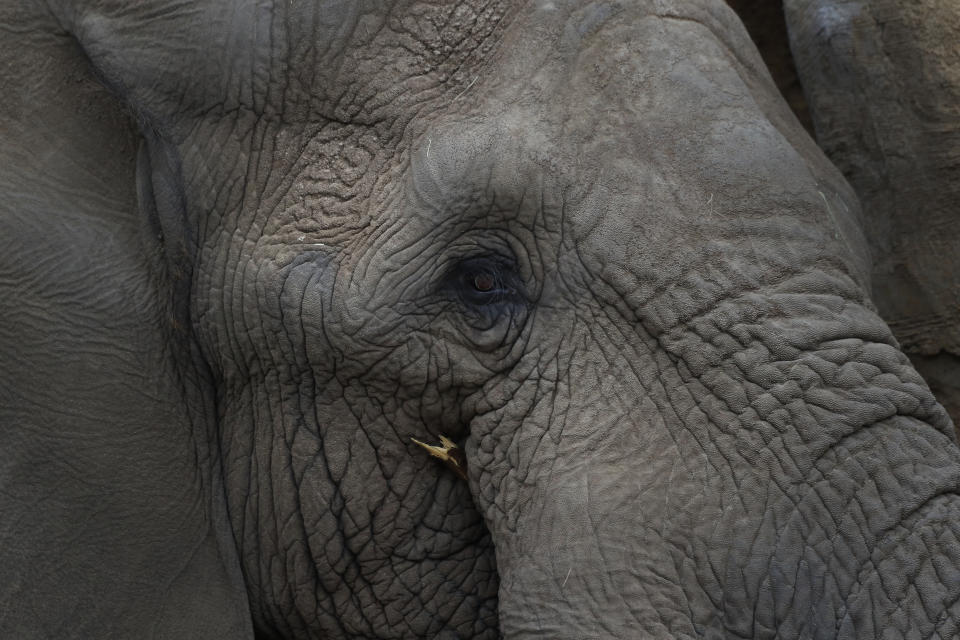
(587, 241)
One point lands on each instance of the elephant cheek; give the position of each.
(608, 513)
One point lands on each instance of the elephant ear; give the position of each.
(113, 522)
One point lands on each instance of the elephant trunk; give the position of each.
(771, 467)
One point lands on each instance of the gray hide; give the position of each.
(250, 249)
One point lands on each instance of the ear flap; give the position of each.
(113, 522)
(161, 199)
(165, 222)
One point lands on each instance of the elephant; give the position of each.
(251, 251)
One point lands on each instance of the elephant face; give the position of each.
(588, 242)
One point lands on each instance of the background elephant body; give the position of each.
(882, 79)
(588, 241)
(883, 82)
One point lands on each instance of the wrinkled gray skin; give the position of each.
(223, 324)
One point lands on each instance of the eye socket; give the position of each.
(489, 299)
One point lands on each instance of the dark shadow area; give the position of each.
(940, 371)
(765, 22)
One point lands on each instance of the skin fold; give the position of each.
(256, 249)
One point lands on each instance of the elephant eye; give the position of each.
(488, 298)
(483, 281)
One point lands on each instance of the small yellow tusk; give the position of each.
(449, 453)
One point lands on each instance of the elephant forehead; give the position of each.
(643, 97)
(659, 137)
(663, 110)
